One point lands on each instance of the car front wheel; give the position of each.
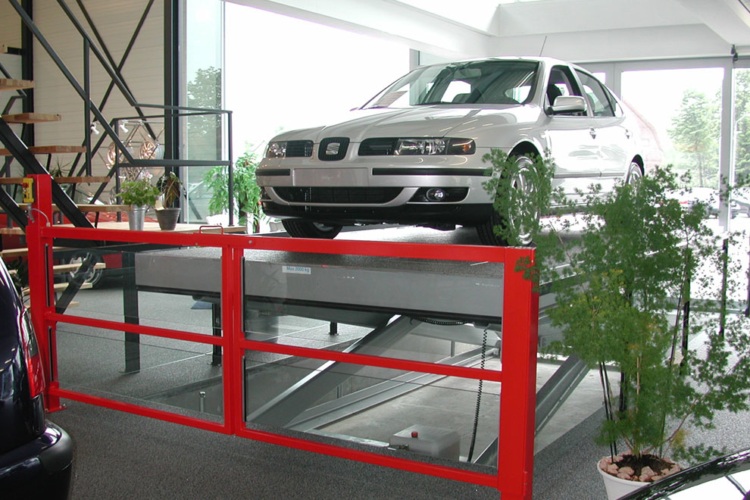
(307, 229)
(524, 183)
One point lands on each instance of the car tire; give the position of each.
(307, 229)
(94, 276)
(486, 230)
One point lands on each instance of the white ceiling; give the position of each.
(576, 30)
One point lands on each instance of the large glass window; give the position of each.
(285, 73)
(203, 64)
(679, 115)
(742, 121)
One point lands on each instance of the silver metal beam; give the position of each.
(285, 407)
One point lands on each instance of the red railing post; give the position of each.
(232, 333)
(518, 389)
(40, 284)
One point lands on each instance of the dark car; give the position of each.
(725, 478)
(36, 457)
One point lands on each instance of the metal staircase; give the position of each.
(125, 157)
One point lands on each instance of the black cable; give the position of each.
(440, 322)
(479, 397)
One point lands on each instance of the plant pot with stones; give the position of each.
(625, 473)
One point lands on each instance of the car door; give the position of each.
(569, 137)
(608, 129)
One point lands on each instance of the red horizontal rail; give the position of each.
(424, 251)
(373, 458)
(378, 361)
(139, 329)
(137, 410)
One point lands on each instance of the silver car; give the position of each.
(413, 153)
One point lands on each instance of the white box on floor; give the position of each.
(430, 441)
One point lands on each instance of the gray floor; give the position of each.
(125, 456)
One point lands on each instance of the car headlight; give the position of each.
(276, 150)
(434, 146)
(289, 149)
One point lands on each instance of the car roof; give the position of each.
(542, 59)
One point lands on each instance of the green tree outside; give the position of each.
(204, 137)
(742, 117)
(695, 133)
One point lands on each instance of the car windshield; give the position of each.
(477, 82)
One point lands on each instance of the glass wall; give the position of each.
(203, 64)
(285, 73)
(274, 73)
(679, 111)
(742, 122)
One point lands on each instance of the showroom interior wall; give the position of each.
(614, 37)
(116, 21)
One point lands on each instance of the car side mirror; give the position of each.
(568, 104)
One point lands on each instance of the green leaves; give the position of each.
(634, 258)
(139, 192)
(246, 191)
(521, 190)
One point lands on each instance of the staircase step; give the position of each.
(66, 268)
(10, 84)
(84, 207)
(59, 287)
(32, 118)
(49, 150)
(60, 180)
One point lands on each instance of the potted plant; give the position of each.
(245, 190)
(636, 259)
(171, 190)
(140, 195)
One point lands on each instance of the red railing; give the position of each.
(519, 339)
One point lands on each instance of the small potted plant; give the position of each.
(140, 195)
(636, 260)
(171, 190)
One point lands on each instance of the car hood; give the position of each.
(424, 121)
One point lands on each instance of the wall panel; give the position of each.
(143, 71)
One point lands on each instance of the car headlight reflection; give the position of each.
(276, 150)
(434, 146)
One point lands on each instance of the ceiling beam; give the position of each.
(394, 20)
(729, 19)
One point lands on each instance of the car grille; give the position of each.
(348, 195)
(299, 149)
(333, 148)
(382, 146)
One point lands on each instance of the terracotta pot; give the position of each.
(167, 218)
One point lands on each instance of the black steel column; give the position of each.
(130, 311)
(171, 77)
(216, 325)
(27, 71)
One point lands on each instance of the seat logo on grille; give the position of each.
(333, 148)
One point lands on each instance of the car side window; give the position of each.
(561, 83)
(598, 97)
